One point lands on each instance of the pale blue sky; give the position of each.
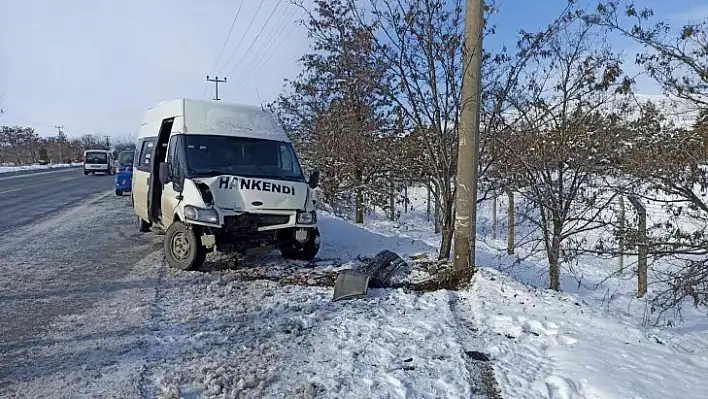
(97, 65)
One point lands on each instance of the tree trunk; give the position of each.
(392, 201)
(447, 230)
(405, 197)
(427, 211)
(438, 226)
(554, 257)
(642, 246)
(359, 202)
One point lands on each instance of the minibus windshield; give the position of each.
(210, 155)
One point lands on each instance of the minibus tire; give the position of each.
(183, 248)
(307, 252)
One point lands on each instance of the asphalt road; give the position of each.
(26, 197)
(77, 256)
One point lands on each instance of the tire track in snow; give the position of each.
(484, 385)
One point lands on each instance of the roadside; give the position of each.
(91, 309)
(24, 169)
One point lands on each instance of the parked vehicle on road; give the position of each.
(124, 172)
(221, 177)
(98, 161)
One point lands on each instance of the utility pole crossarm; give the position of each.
(216, 81)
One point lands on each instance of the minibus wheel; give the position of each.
(183, 247)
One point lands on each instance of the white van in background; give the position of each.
(98, 161)
(222, 177)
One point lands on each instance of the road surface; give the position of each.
(28, 196)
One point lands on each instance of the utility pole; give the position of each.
(216, 81)
(467, 155)
(60, 139)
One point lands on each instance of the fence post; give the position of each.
(641, 246)
(623, 230)
(494, 217)
(510, 239)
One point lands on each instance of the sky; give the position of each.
(95, 66)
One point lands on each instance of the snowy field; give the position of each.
(17, 168)
(590, 341)
(160, 332)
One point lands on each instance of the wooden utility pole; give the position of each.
(467, 160)
(216, 81)
(60, 140)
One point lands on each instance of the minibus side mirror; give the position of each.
(314, 179)
(164, 173)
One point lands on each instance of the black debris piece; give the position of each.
(478, 356)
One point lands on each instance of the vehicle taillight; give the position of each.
(117, 170)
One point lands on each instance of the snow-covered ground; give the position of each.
(16, 168)
(227, 337)
(152, 331)
(160, 332)
(589, 341)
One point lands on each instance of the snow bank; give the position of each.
(17, 168)
(588, 342)
(345, 241)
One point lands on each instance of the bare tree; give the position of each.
(558, 147)
(335, 109)
(677, 60)
(668, 160)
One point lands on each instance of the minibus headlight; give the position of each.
(201, 214)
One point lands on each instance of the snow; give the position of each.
(557, 345)
(161, 332)
(587, 342)
(292, 341)
(6, 168)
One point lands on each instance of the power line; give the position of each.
(256, 38)
(228, 36)
(242, 37)
(274, 36)
(265, 57)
